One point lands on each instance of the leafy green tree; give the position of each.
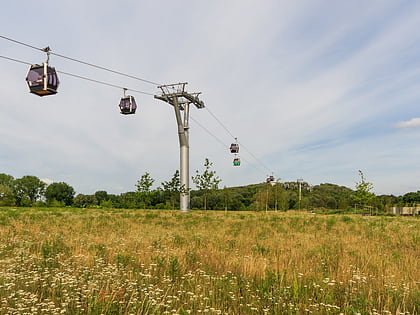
(29, 188)
(386, 202)
(6, 196)
(101, 195)
(411, 198)
(321, 196)
(144, 188)
(283, 199)
(260, 200)
(236, 202)
(363, 194)
(159, 199)
(196, 202)
(60, 192)
(227, 198)
(173, 188)
(129, 200)
(6, 180)
(6, 190)
(215, 201)
(207, 181)
(331, 203)
(84, 201)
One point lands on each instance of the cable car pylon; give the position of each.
(180, 99)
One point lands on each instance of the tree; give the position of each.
(6, 190)
(260, 200)
(173, 188)
(215, 201)
(129, 200)
(411, 198)
(84, 201)
(6, 196)
(363, 194)
(101, 195)
(6, 180)
(60, 192)
(331, 203)
(196, 202)
(386, 202)
(29, 188)
(227, 198)
(143, 187)
(206, 181)
(283, 199)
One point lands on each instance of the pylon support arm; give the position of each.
(181, 130)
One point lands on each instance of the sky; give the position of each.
(316, 90)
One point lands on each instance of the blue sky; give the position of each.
(312, 89)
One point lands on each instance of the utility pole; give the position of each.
(300, 180)
(266, 200)
(275, 192)
(270, 180)
(177, 96)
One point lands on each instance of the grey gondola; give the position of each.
(128, 105)
(270, 179)
(234, 148)
(42, 80)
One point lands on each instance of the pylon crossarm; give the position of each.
(194, 99)
(171, 91)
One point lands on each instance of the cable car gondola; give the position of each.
(42, 79)
(234, 147)
(128, 105)
(270, 179)
(236, 161)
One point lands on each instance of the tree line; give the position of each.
(31, 191)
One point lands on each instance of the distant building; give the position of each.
(406, 210)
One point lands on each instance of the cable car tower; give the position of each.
(180, 99)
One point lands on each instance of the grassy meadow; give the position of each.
(107, 261)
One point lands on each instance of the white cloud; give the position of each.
(412, 123)
(309, 90)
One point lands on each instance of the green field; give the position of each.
(97, 261)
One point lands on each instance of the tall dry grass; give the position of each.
(97, 261)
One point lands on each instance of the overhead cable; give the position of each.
(20, 43)
(80, 61)
(16, 60)
(221, 124)
(223, 143)
(116, 86)
(106, 69)
(84, 78)
(208, 131)
(230, 133)
(104, 83)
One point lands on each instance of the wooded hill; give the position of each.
(31, 191)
